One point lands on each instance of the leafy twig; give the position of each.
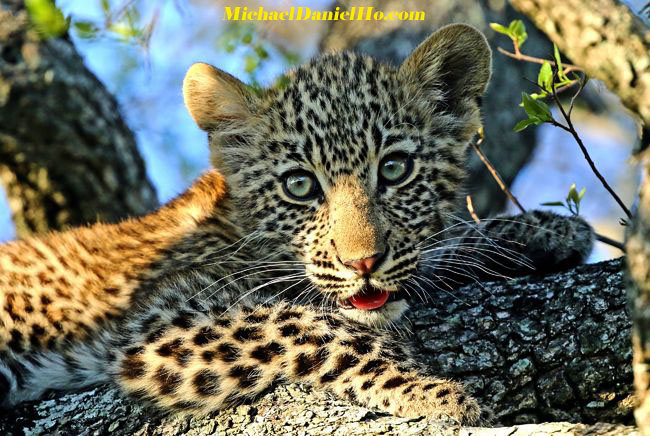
(539, 113)
(571, 129)
(518, 55)
(476, 145)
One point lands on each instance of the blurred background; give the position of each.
(141, 49)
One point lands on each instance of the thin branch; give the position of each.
(518, 55)
(476, 145)
(583, 82)
(119, 13)
(561, 89)
(614, 243)
(472, 212)
(571, 129)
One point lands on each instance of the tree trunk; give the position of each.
(638, 252)
(393, 41)
(533, 349)
(66, 156)
(606, 39)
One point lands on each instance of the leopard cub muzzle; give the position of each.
(360, 257)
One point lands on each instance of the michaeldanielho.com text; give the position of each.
(303, 13)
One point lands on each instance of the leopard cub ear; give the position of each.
(454, 63)
(214, 98)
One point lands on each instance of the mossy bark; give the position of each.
(67, 158)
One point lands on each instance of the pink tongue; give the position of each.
(369, 300)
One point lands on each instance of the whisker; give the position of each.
(261, 269)
(479, 267)
(435, 285)
(512, 256)
(246, 294)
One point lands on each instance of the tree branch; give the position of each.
(476, 145)
(571, 129)
(611, 44)
(535, 349)
(66, 156)
(522, 57)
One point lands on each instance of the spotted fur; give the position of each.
(233, 286)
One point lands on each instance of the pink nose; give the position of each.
(365, 266)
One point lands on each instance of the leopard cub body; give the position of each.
(287, 261)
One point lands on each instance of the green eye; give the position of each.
(394, 168)
(300, 185)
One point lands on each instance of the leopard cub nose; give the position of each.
(366, 266)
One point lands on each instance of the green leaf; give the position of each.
(261, 52)
(564, 82)
(536, 108)
(499, 28)
(47, 18)
(247, 39)
(125, 30)
(558, 63)
(573, 194)
(553, 203)
(518, 31)
(521, 125)
(85, 29)
(512, 27)
(106, 7)
(582, 193)
(545, 77)
(574, 198)
(251, 63)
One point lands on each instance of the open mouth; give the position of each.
(369, 298)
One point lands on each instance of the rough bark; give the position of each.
(533, 349)
(293, 409)
(638, 251)
(66, 156)
(393, 41)
(606, 39)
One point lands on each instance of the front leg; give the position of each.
(510, 246)
(196, 360)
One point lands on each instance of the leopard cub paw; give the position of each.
(437, 399)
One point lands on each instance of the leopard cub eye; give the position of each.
(395, 168)
(301, 185)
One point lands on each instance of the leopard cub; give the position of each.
(289, 259)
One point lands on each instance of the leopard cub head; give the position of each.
(348, 165)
